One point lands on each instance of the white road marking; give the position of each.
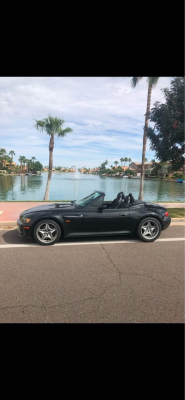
(8, 246)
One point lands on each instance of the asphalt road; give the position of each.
(98, 280)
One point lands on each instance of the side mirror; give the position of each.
(101, 208)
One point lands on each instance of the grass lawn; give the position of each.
(176, 212)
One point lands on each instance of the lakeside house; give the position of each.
(136, 166)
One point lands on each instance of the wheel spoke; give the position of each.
(47, 232)
(149, 229)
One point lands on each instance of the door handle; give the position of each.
(72, 216)
(123, 215)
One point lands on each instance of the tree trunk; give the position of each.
(51, 146)
(144, 142)
(46, 196)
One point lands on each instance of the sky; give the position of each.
(105, 113)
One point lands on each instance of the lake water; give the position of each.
(70, 186)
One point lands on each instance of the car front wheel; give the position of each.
(47, 232)
(149, 229)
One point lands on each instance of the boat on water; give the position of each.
(125, 176)
(29, 173)
(180, 181)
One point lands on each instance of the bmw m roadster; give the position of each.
(92, 216)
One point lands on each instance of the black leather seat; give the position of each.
(125, 202)
(132, 200)
(117, 202)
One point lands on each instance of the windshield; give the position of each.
(88, 199)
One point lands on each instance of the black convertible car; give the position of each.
(92, 216)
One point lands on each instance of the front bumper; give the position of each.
(166, 222)
(23, 229)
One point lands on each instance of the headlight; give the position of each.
(24, 220)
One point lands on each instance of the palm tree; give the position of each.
(24, 161)
(146, 159)
(21, 160)
(52, 126)
(121, 159)
(2, 154)
(129, 160)
(116, 162)
(152, 81)
(27, 163)
(32, 159)
(126, 159)
(11, 153)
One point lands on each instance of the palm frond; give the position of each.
(63, 132)
(40, 125)
(153, 80)
(135, 80)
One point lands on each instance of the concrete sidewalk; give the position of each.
(9, 211)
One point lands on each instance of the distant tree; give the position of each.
(33, 159)
(167, 137)
(38, 166)
(146, 159)
(162, 169)
(102, 167)
(2, 154)
(7, 159)
(12, 153)
(116, 163)
(21, 160)
(24, 161)
(122, 160)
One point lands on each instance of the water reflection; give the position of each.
(65, 186)
(7, 185)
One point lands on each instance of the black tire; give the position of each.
(149, 229)
(46, 232)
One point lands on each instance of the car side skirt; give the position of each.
(98, 233)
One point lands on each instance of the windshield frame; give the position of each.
(84, 201)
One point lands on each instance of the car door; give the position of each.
(91, 220)
(114, 220)
(106, 221)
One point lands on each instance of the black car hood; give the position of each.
(49, 207)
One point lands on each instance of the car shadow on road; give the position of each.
(12, 237)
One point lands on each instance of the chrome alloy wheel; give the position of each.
(149, 229)
(47, 232)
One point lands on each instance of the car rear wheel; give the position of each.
(149, 229)
(47, 232)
